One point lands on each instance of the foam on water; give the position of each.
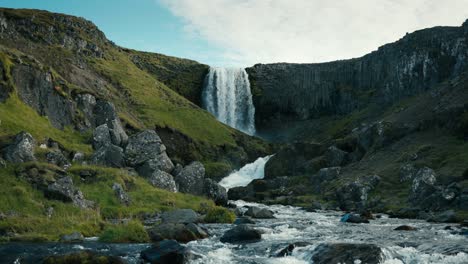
(246, 174)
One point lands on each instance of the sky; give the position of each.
(245, 32)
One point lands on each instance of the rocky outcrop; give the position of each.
(105, 113)
(21, 150)
(64, 190)
(57, 158)
(163, 180)
(109, 156)
(418, 61)
(354, 195)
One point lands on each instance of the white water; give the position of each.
(228, 97)
(246, 174)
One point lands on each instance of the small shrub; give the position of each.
(133, 232)
(220, 215)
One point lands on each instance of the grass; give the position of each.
(125, 233)
(220, 215)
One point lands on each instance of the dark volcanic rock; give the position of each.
(215, 192)
(64, 190)
(57, 158)
(83, 257)
(256, 212)
(287, 251)
(104, 113)
(335, 156)
(241, 234)
(405, 228)
(182, 216)
(191, 178)
(163, 180)
(183, 233)
(347, 254)
(167, 252)
(21, 150)
(354, 218)
(354, 195)
(109, 156)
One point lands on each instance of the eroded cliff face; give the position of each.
(418, 61)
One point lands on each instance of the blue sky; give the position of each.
(245, 32)
(140, 24)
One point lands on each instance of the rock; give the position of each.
(57, 158)
(241, 234)
(163, 180)
(101, 137)
(180, 216)
(324, 176)
(287, 251)
(335, 156)
(245, 193)
(353, 218)
(74, 237)
(405, 228)
(256, 212)
(78, 157)
(191, 178)
(64, 190)
(244, 220)
(121, 194)
(347, 253)
(353, 195)
(49, 212)
(315, 206)
(109, 156)
(21, 150)
(424, 192)
(167, 252)
(448, 216)
(86, 103)
(183, 233)
(408, 213)
(83, 257)
(215, 192)
(162, 163)
(143, 146)
(177, 169)
(407, 172)
(104, 113)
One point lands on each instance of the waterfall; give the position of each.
(228, 97)
(246, 174)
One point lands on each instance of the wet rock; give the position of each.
(109, 156)
(121, 194)
(287, 251)
(142, 147)
(354, 218)
(354, 195)
(244, 220)
(101, 137)
(21, 150)
(64, 190)
(191, 178)
(104, 113)
(347, 253)
(405, 228)
(183, 233)
(256, 212)
(162, 163)
(163, 180)
(57, 158)
(241, 234)
(335, 156)
(215, 192)
(74, 237)
(167, 252)
(83, 257)
(448, 216)
(242, 193)
(180, 216)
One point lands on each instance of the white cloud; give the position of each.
(265, 31)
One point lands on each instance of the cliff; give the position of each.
(411, 65)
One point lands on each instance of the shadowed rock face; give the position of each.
(285, 91)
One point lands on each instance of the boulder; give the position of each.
(86, 103)
(142, 147)
(21, 150)
(215, 192)
(163, 180)
(64, 190)
(335, 156)
(287, 251)
(245, 193)
(101, 137)
(167, 252)
(448, 216)
(162, 163)
(121, 194)
(191, 178)
(405, 228)
(74, 237)
(353, 218)
(183, 233)
(315, 206)
(57, 158)
(256, 212)
(109, 156)
(407, 172)
(83, 257)
(353, 195)
(180, 216)
(347, 253)
(423, 189)
(78, 157)
(104, 113)
(244, 220)
(241, 234)
(323, 176)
